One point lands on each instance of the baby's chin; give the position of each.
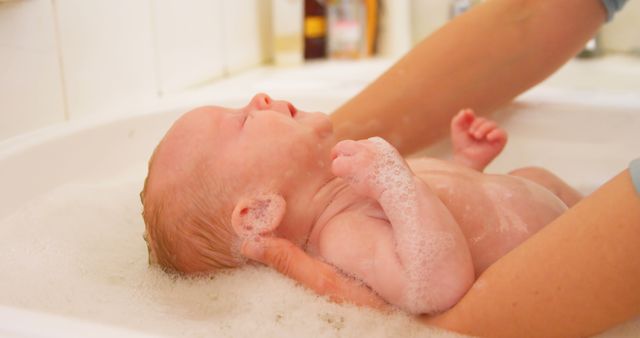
(320, 123)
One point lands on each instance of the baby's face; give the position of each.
(267, 144)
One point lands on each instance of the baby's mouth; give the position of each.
(292, 110)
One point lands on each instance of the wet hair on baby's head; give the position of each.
(188, 224)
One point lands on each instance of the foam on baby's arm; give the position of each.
(429, 243)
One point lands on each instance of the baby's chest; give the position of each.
(351, 239)
(495, 212)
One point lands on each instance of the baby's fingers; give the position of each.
(463, 120)
(350, 157)
(345, 148)
(343, 166)
(497, 135)
(482, 129)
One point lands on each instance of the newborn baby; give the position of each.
(416, 232)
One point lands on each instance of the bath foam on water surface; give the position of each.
(78, 251)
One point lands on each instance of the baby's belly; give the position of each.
(495, 212)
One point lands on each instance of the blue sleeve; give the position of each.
(612, 7)
(634, 171)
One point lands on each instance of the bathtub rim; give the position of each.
(19, 323)
(26, 142)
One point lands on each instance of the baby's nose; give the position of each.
(261, 101)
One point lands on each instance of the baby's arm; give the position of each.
(422, 264)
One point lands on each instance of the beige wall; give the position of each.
(63, 59)
(31, 90)
(622, 34)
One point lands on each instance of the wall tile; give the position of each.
(107, 54)
(30, 85)
(188, 35)
(395, 32)
(622, 34)
(427, 16)
(245, 42)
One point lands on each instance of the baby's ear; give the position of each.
(258, 214)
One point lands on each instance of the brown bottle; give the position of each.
(315, 29)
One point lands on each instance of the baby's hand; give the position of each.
(370, 166)
(476, 140)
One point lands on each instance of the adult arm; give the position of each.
(576, 277)
(324, 279)
(481, 59)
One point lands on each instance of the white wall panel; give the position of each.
(244, 42)
(30, 85)
(427, 16)
(189, 42)
(622, 34)
(107, 54)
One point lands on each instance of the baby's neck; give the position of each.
(332, 198)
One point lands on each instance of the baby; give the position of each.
(417, 232)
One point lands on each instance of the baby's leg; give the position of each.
(476, 140)
(547, 179)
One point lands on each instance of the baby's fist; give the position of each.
(353, 160)
(363, 164)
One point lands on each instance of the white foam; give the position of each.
(418, 247)
(78, 251)
(263, 214)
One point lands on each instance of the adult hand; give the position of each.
(324, 279)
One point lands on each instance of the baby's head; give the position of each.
(220, 175)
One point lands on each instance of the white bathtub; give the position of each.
(74, 263)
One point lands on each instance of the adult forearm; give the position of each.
(574, 278)
(482, 59)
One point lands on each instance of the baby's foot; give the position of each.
(476, 140)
